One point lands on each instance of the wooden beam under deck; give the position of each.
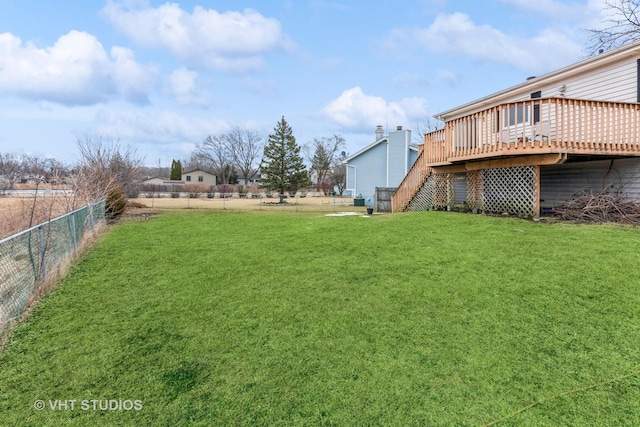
(510, 162)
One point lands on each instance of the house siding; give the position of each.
(369, 173)
(154, 181)
(397, 158)
(559, 183)
(193, 177)
(616, 82)
(382, 164)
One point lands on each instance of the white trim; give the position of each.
(355, 180)
(387, 182)
(365, 149)
(406, 152)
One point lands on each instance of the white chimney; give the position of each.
(379, 133)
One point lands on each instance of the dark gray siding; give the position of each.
(559, 183)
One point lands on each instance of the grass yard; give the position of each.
(265, 318)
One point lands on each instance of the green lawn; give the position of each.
(229, 318)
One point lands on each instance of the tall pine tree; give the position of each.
(282, 166)
(176, 170)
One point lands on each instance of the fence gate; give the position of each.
(383, 198)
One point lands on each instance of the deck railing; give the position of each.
(536, 126)
(544, 125)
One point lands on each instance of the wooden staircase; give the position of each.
(411, 184)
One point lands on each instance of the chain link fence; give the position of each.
(30, 257)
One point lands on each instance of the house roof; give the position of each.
(532, 84)
(365, 149)
(413, 147)
(196, 170)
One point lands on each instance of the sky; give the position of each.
(162, 76)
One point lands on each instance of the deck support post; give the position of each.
(536, 202)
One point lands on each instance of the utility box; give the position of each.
(358, 201)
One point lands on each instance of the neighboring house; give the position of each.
(326, 185)
(156, 180)
(254, 180)
(537, 144)
(198, 176)
(384, 163)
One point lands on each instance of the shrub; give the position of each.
(115, 202)
(226, 190)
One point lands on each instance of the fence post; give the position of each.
(43, 249)
(74, 238)
(90, 215)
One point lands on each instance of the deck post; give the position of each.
(536, 202)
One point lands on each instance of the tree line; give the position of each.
(280, 163)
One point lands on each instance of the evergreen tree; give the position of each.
(282, 166)
(176, 170)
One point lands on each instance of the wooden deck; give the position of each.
(535, 132)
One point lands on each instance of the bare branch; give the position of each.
(216, 150)
(622, 26)
(246, 149)
(322, 153)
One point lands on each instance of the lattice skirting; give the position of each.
(475, 188)
(423, 200)
(503, 190)
(509, 190)
(443, 191)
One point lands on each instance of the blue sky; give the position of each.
(163, 76)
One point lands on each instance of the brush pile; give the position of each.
(600, 208)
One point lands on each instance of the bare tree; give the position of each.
(246, 150)
(339, 175)
(10, 171)
(321, 154)
(430, 124)
(106, 170)
(216, 150)
(43, 169)
(622, 26)
(197, 161)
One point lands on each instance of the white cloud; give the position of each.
(354, 110)
(76, 70)
(234, 41)
(182, 85)
(458, 35)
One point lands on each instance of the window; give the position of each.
(536, 108)
(515, 115)
(188, 178)
(200, 178)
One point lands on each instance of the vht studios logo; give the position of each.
(88, 405)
